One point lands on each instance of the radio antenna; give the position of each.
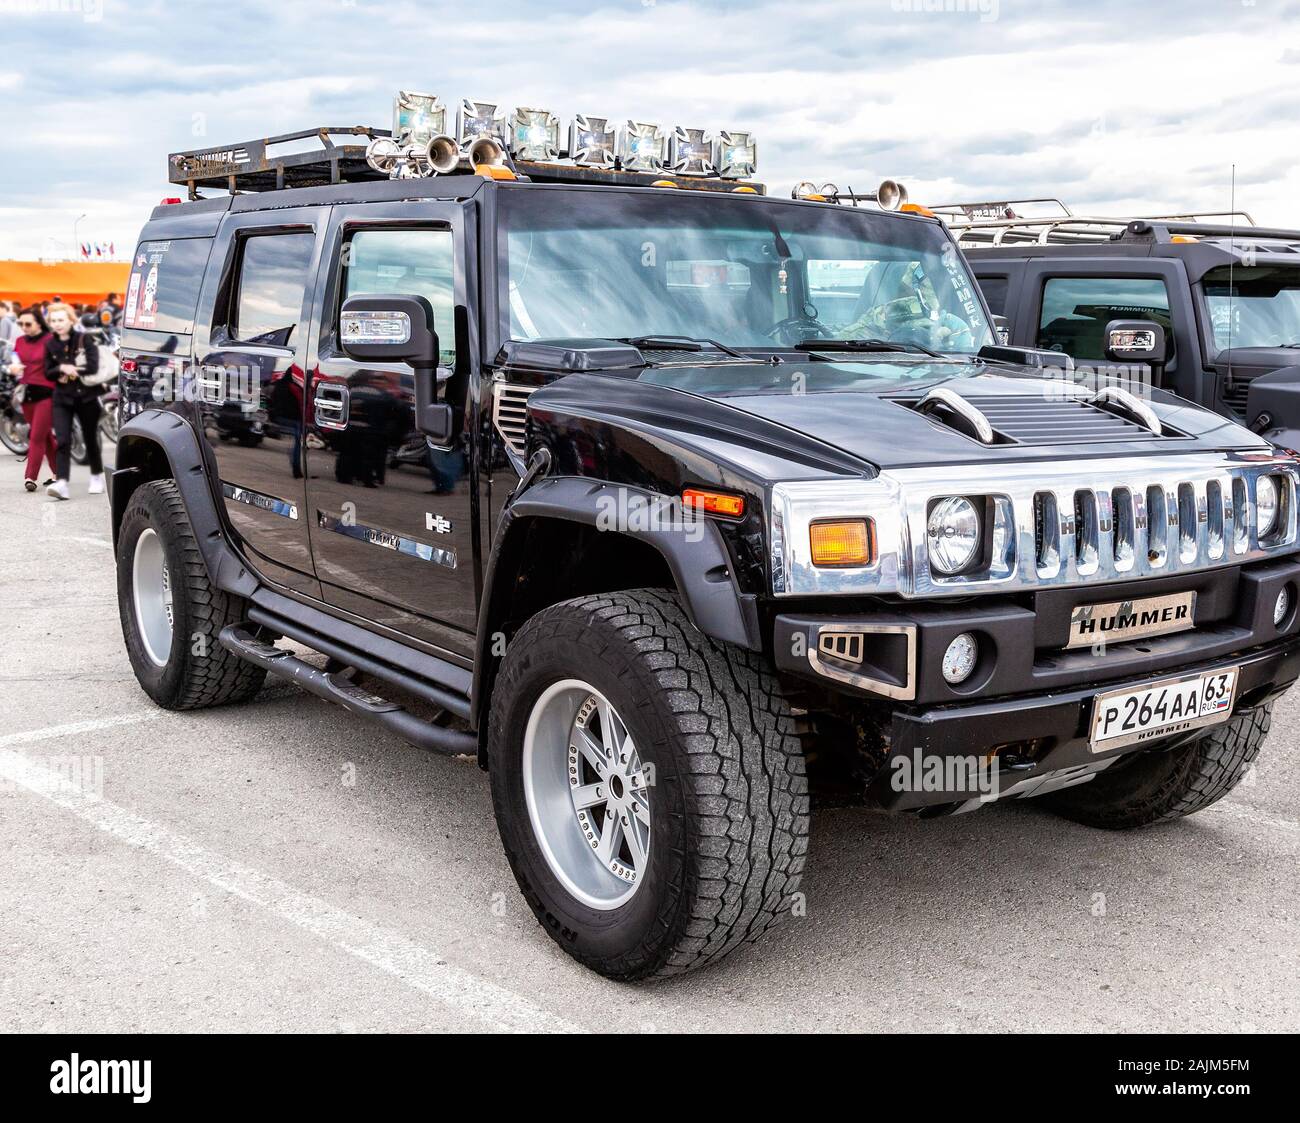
(1232, 258)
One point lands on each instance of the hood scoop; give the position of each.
(1056, 418)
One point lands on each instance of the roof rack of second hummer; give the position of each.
(329, 155)
(973, 228)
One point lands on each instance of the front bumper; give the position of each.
(1044, 736)
(1025, 711)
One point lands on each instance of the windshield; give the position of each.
(732, 269)
(1256, 306)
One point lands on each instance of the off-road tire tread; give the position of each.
(1194, 776)
(745, 784)
(219, 676)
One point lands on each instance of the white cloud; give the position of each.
(1113, 106)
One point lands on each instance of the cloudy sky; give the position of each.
(1117, 106)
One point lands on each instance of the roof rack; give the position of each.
(315, 159)
(329, 155)
(974, 227)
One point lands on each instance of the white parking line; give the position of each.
(419, 967)
(91, 725)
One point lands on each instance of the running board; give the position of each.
(283, 664)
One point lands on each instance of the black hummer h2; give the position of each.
(1226, 297)
(651, 497)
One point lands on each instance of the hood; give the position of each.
(856, 416)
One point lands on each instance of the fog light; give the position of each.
(1281, 607)
(959, 659)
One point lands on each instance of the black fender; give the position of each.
(155, 432)
(699, 563)
(1273, 405)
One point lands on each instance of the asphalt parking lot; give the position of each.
(283, 866)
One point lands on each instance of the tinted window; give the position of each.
(995, 292)
(1254, 306)
(1076, 311)
(164, 286)
(273, 273)
(406, 263)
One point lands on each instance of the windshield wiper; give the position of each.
(876, 345)
(680, 343)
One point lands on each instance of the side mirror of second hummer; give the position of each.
(399, 329)
(1135, 341)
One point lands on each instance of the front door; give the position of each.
(250, 357)
(392, 517)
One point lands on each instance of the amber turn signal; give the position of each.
(714, 502)
(843, 542)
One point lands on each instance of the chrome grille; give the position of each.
(510, 414)
(1126, 528)
(1084, 522)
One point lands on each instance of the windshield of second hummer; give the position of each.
(1254, 306)
(733, 269)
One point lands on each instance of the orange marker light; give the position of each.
(916, 208)
(843, 542)
(714, 502)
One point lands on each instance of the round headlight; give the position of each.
(959, 659)
(954, 534)
(1265, 505)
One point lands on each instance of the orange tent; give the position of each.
(78, 282)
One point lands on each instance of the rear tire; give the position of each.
(171, 612)
(727, 819)
(1155, 786)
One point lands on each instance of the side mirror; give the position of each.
(399, 329)
(1002, 330)
(1135, 341)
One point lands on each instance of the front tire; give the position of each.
(171, 612)
(1157, 786)
(648, 784)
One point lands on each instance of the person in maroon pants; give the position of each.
(38, 393)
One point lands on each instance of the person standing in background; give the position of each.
(8, 328)
(28, 367)
(71, 357)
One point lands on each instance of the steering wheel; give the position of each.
(806, 325)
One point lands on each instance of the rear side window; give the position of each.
(164, 287)
(271, 285)
(995, 292)
(1076, 311)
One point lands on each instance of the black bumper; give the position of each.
(1047, 733)
(1029, 699)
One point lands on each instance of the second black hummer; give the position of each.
(657, 498)
(1224, 294)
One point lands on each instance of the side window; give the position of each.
(164, 286)
(995, 289)
(407, 262)
(269, 290)
(1076, 311)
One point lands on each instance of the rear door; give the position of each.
(250, 355)
(393, 517)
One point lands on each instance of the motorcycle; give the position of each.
(13, 426)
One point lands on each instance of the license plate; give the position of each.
(1123, 620)
(1161, 709)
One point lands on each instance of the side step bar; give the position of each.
(334, 688)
